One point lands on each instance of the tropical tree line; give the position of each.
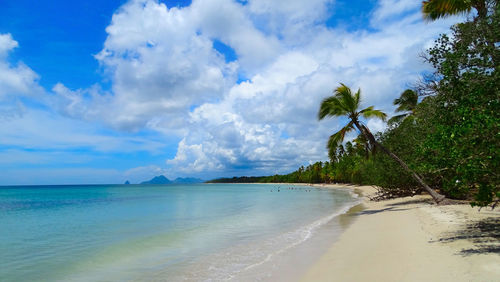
(445, 139)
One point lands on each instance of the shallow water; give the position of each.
(162, 232)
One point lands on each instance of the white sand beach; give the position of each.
(411, 239)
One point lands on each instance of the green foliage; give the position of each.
(407, 103)
(242, 179)
(463, 116)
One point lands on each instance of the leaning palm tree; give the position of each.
(406, 103)
(345, 103)
(436, 9)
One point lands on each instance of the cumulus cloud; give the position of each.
(16, 81)
(390, 10)
(7, 43)
(159, 65)
(270, 121)
(231, 23)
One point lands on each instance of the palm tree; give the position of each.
(407, 103)
(345, 103)
(436, 9)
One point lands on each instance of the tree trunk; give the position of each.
(481, 8)
(435, 195)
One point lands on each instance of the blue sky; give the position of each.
(108, 91)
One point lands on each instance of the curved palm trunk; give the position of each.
(435, 195)
(482, 10)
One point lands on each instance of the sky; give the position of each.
(108, 91)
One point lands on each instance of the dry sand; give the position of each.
(410, 239)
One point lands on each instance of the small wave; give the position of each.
(244, 259)
(304, 233)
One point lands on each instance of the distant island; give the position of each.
(161, 179)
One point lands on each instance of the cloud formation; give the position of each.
(16, 81)
(253, 115)
(269, 122)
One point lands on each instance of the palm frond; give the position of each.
(370, 108)
(407, 101)
(396, 119)
(338, 137)
(331, 106)
(357, 98)
(371, 113)
(436, 9)
(346, 98)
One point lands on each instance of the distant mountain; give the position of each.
(179, 180)
(127, 182)
(158, 180)
(187, 180)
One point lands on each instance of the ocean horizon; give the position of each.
(163, 232)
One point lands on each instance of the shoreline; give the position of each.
(411, 239)
(293, 262)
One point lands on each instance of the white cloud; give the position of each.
(159, 65)
(294, 22)
(392, 9)
(270, 121)
(230, 22)
(7, 43)
(15, 80)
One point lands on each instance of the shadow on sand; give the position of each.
(484, 234)
(412, 201)
(390, 209)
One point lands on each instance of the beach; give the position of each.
(411, 239)
(243, 232)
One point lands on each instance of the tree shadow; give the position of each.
(392, 209)
(484, 234)
(413, 201)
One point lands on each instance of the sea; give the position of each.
(194, 232)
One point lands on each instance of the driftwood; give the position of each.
(392, 193)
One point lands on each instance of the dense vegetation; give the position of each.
(451, 138)
(242, 179)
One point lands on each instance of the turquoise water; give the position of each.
(141, 232)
